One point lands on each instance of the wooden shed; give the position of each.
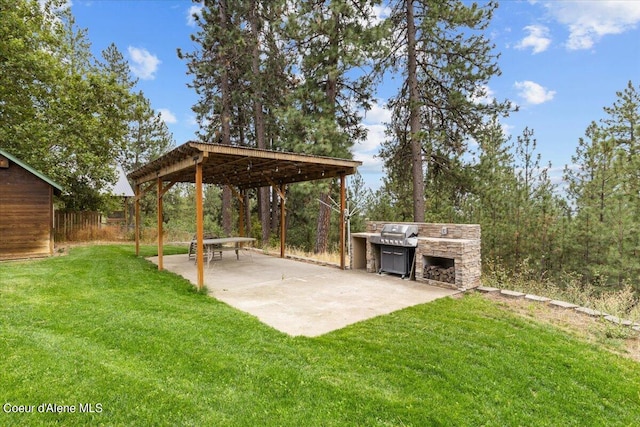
(26, 210)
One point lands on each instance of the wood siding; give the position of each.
(26, 214)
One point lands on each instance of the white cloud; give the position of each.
(482, 95)
(533, 93)
(144, 64)
(167, 116)
(191, 120)
(196, 9)
(556, 176)
(381, 13)
(507, 129)
(367, 150)
(377, 114)
(375, 137)
(537, 39)
(589, 21)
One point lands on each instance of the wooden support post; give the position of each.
(283, 234)
(137, 219)
(160, 231)
(343, 207)
(199, 226)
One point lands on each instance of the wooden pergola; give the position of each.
(240, 169)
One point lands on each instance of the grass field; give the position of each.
(104, 328)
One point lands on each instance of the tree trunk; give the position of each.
(275, 208)
(414, 118)
(225, 117)
(258, 113)
(331, 92)
(264, 213)
(247, 213)
(324, 225)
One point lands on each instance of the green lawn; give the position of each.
(103, 327)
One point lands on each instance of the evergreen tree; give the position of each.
(258, 110)
(603, 188)
(493, 192)
(219, 59)
(534, 208)
(447, 61)
(332, 39)
(590, 184)
(148, 137)
(397, 186)
(239, 73)
(622, 124)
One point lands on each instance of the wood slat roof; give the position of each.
(241, 167)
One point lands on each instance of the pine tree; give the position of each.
(332, 39)
(622, 124)
(239, 73)
(447, 62)
(590, 184)
(534, 205)
(494, 189)
(148, 137)
(219, 60)
(258, 110)
(397, 186)
(603, 187)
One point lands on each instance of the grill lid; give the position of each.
(400, 231)
(397, 235)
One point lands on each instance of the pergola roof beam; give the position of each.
(241, 167)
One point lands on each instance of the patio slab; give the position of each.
(300, 298)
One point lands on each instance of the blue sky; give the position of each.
(561, 61)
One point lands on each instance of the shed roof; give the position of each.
(241, 167)
(57, 187)
(121, 187)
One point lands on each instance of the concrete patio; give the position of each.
(300, 298)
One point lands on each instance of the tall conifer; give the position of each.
(447, 61)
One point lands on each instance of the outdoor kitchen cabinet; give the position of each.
(396, 259)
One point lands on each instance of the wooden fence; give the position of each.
(74, 226)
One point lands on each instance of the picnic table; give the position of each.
(219, 245)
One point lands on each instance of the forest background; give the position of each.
(292, 76)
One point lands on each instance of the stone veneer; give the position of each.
(458, 242)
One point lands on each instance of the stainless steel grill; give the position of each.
(397, 248)
(397, 235)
